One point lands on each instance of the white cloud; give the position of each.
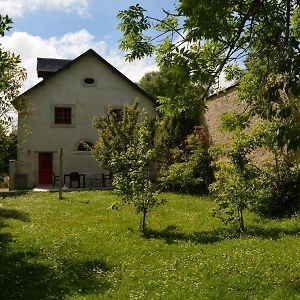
(70, 46)
(16, 8)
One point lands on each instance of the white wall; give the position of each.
(66, 89)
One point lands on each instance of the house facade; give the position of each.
(62, 108)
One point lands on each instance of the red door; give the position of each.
(45, 168)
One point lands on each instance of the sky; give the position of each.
(67, 28)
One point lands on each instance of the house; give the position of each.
(62, 108)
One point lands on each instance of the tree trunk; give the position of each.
(288, 22)
(241, 219)
(143, 223)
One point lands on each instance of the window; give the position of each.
(85, 146)
(117, 113)
(63, 115)
(89, 81)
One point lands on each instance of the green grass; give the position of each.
(78, 248)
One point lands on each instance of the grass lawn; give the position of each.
(78, 248)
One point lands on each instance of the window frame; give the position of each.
(62, 115)
(63, 125)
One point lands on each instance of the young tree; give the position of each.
(11, 77)
(125, 147)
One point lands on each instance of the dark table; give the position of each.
(78, 180)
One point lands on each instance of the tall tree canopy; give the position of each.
(156, 83)
(255, 42)
(11, 76)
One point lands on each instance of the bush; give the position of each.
(191, 171)
(171, 134)
(281, 186)
(270, 189)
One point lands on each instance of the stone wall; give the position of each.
(217, 105)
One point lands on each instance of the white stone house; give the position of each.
(62, 108)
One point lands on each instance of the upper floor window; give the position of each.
(63, 115)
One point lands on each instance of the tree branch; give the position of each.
(232, 47)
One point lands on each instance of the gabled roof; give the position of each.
(113, 69)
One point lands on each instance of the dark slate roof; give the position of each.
(50, 65)
(91, 52)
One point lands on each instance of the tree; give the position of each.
(189, 167)
(253, 41)
(182, 157)
(126, 147)
(156, 83)
(171, 130)
(8, 150)
(11, 77)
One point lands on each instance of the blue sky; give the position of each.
(99, 18)
(66, 28)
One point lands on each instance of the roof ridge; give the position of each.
(93, 52)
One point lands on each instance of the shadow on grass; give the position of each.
(28, 275)
(171, 234)
(6, 213)
(12, 214)
(20, 278)
(4, 195)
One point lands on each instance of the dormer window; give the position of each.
(89, 81)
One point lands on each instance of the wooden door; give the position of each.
(45, 168)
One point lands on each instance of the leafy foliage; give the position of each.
(270, 188)
(156, 83)
(234, 191)
(181, 148)
(126, 148)
(11, 77)
(280, 184)
(256, 43)
(8, 149)
(190, 169)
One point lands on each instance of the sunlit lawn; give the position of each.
(79, 248)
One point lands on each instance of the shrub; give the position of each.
(270, 189)
(191, 171)
(282, 189)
